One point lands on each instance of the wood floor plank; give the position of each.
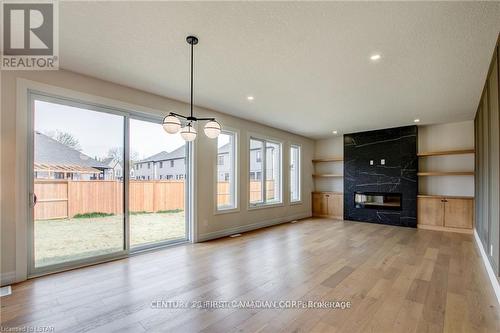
(397, 280)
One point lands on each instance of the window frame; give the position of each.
(235, 163)
(31, 91)
(264, 204)
(299, 174)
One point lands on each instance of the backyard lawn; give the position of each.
(76, 238)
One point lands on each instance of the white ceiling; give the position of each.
(307, 64)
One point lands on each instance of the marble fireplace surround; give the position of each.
(383, 161)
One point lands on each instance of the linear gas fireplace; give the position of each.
(377, 200)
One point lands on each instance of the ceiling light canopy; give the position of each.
(334, 132)
(375, 57)
(172, 124)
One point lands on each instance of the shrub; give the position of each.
(92, 215)
(169, 211)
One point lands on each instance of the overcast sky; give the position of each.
(98, 132)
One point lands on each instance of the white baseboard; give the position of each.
(249, 227)
(487, 264)
(7, 278)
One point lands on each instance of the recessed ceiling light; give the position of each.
(250, 98)
(416, 120)
(334, 132)
(375, 57)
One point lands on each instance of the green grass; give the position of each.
(92, 215)
(77, 238)
(169, 211)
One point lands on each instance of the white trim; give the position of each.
(253, 226)
(295, 202)
(7, 278)
(264, 138)
(236, 173)
(22, 181)
(493, 278)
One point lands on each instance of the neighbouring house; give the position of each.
(115, 170)
(162, 166)
(172, 166)
(54, 160)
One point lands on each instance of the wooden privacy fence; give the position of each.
(66, 198)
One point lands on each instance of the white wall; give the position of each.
(207, 224)
(450, 136)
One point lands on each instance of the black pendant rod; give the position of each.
(192, 49)
(192, 40)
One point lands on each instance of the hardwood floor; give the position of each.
(397, 280)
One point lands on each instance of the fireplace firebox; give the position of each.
(377, 200)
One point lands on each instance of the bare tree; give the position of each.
(117, 154)
(65, 138)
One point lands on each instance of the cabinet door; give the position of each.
(458, 213)
(335, 206)
(319, 204)
(430, 211)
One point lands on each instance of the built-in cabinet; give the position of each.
(328, 204)
(487, 180)
(445, 212)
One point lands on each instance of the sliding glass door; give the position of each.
(158, 172)
(103, 184)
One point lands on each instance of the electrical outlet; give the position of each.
(371, 162)
(491, 250)
(382, 162)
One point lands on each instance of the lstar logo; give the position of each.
(29, 36)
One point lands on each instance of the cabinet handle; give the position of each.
(327, 195)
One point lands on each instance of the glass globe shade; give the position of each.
(212, 129)
(171, 124)
(188, 133)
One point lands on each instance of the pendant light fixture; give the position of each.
(172, 124)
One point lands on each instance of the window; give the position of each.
(265, 172)
(258, 158)
(226, 171)
(161, 165)
(294, 173)
(149, 165)
(172, 163)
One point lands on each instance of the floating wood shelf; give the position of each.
(445, 196)
(446, 173)
(328, 159)
(446, 152)
(327, 175)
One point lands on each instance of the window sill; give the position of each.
(263, 206)
(294, 203)
(226, 211)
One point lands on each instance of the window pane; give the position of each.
(78, 182)
(294, 173)
(156, 192)
(273, 168)
(226, 169)
(256, 170)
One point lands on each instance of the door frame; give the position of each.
(32, 93)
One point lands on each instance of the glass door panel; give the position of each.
(157, 200)
(78, 156)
